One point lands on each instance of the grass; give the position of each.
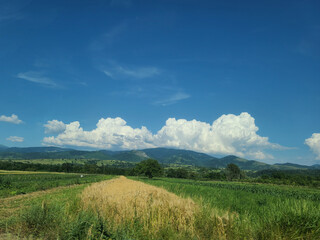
(126, 210)
(51, 214)
(261, 214)
(140, 208)
(56, 215)
(179, 209)
(16, 182)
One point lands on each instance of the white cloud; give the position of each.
(172, 99)
(229, 134)
(12, 119)
(119, 72)
(157, 85)
(314, 144)
(54, 126)
(142, 72)
(109, 133)
(37, 77)
(15, 139)
(109, 74)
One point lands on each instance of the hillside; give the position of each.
(163, 155)
(2, 147)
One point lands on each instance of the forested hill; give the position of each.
(163, 155)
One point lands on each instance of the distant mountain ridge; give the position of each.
(3, 147)
(163, 155)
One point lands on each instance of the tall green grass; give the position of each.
(56, 215)
(263, 211)
(51, 220)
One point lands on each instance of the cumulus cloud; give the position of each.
(54, 126)
(11, 119)
(314, 144)
(229, 134)
(109, 133)
(15, 139)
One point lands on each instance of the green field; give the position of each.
(19, 182)
(263, 211)
(226, 210)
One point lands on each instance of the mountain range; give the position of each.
(163, 155)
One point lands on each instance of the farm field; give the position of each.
(160, 208)
(262, 211)
(20, 182)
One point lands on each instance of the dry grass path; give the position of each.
(127, 202)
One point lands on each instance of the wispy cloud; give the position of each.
(109, 74)
(11, 119)
(15, 139)
(172, 99)
(108, 38)
(143, 72)
(156, 85)
(120, 72)
(37, 77)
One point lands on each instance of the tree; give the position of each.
(177, 173)
(149, 168)
(233, 171)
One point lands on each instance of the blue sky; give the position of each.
(221, 77)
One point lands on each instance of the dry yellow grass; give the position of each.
(126, 201)
(123, 202)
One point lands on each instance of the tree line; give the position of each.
(151, 168)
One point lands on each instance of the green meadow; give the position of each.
(19, 182)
